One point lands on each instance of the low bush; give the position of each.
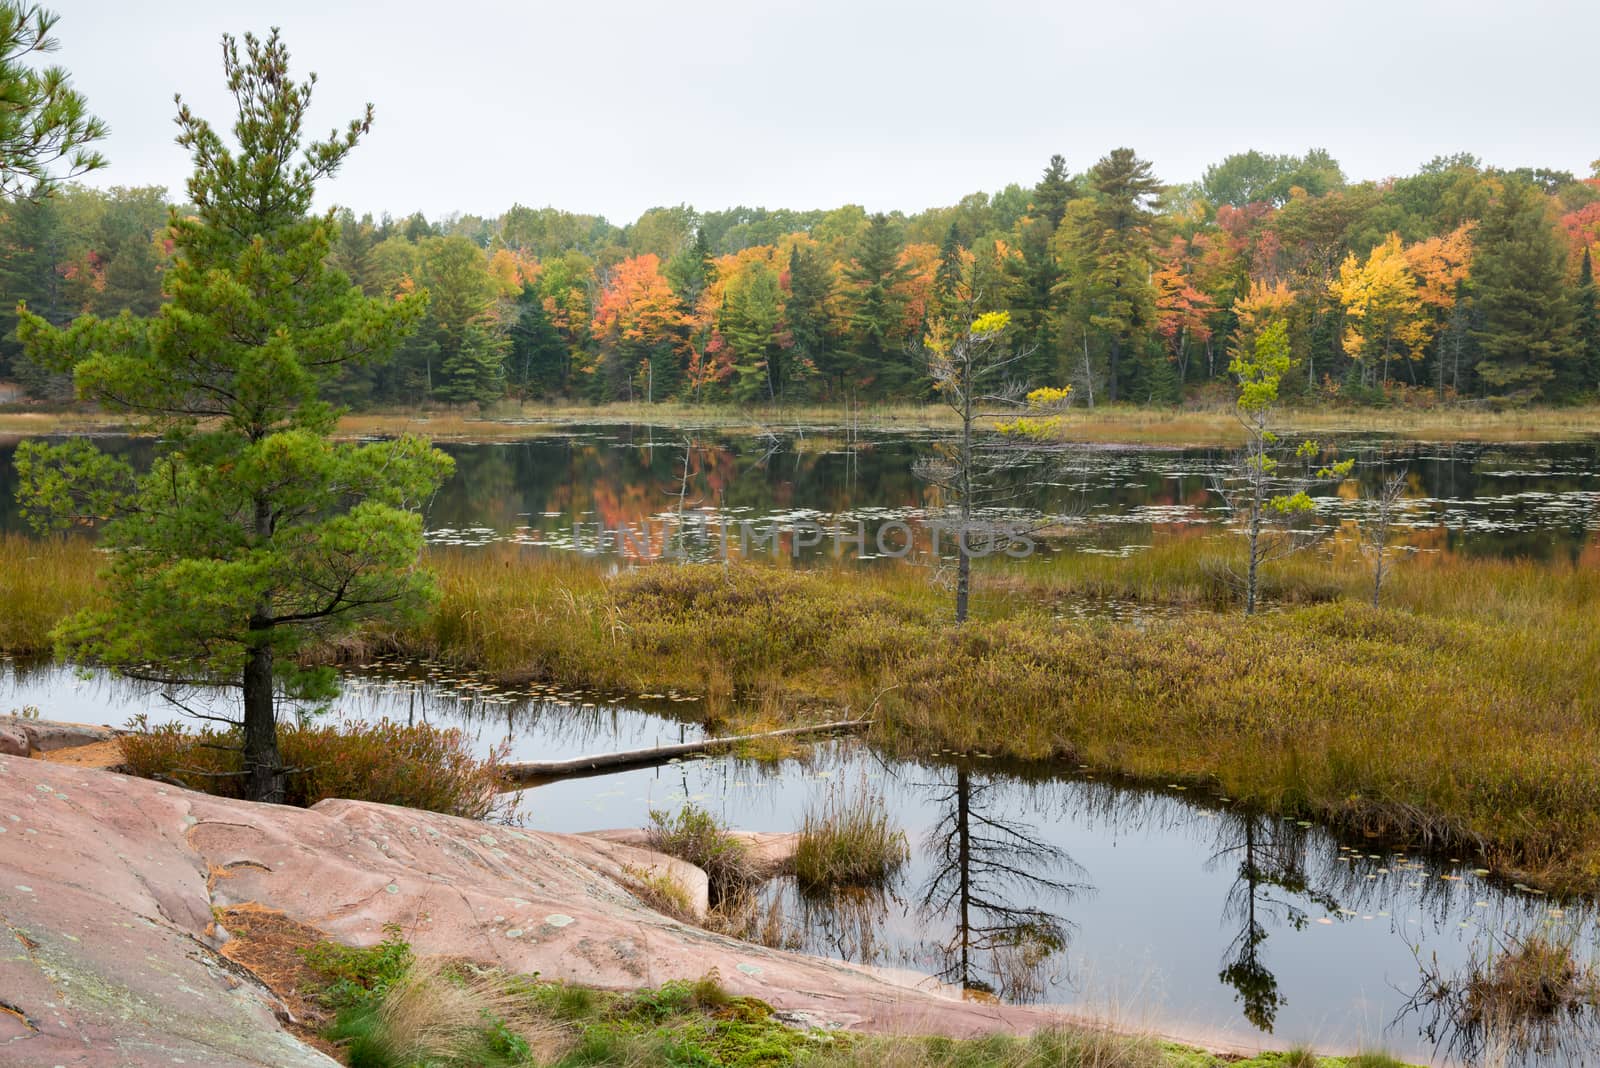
(413, 766)
(695, 835)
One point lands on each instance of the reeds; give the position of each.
(848, 840)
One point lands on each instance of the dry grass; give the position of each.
(417, 766)
(1463, 713)
(1105, 424)
(438, 1013)
(694, 835)
(660, 891)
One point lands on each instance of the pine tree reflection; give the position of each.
(1272, 871)
(984, 866)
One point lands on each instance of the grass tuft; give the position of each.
(695, 835)
(849, 840)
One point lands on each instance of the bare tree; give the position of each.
(1377, 528)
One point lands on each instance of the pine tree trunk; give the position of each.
(262, 762)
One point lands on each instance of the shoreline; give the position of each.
(1103, 426)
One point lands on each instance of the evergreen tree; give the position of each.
(1587, 296)
(538, 355)
(33, 247)
(947, 279)
(1036, 275)
(460, 331)
(876, 308)
(1055, 189)
(1525, 332)
(805, 313)
(45, 126)
(253, 533)
(1112, 256)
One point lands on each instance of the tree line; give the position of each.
(1459, 281)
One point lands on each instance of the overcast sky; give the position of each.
(614, 106)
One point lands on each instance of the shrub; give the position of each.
(416, 767)
(694, 835)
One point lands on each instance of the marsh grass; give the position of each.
(1201, 424)
(1460, 715)
(417, 766)
(42, 580)
(848, 839)
(1530, 992)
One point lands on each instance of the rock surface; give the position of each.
(108, 885)
(47, 736)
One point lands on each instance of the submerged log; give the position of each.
(532, 771)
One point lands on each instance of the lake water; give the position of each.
(1160, 907)
(624, 491)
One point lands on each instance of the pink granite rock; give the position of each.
(107, 883)
(13, 742)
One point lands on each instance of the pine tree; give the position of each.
(254, 533)
(1587, 296)
(805, 314)
(1525, 330)
(876, 309)
(947, 279)
(45, 126)
(1054, 190)
(1112, 259)
(538, 356)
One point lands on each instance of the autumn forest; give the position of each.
(1458, 282)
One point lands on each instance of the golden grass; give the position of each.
(1463, 712)
(1102, 425)
(41, 581)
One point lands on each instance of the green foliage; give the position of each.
(1587, 323)
(1520, 294)
(1254, 177)
(45, 125)
(253, 532)
(876, 309)
(417, 766)
(360, 977)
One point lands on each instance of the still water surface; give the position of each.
(577, 488)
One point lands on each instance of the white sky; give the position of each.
(612, 106)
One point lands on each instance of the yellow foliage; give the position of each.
(1382, 305)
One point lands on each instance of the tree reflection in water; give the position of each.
(984, 867)
(1272, 868)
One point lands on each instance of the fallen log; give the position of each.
(532, 771)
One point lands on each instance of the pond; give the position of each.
(641, 490)
(1159, 907)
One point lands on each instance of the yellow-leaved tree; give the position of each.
(1384, 314)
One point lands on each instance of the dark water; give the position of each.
(626, 491)
(1161, 907)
